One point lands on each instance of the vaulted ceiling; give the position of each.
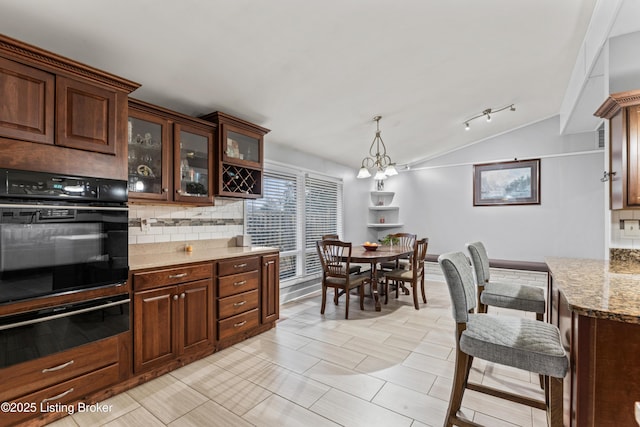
(317, 72)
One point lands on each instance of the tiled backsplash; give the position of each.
(184, 223)
(617, 241)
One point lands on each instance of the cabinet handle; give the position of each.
(244, 264)
(240, 283)
(57, 368)
(175, 297)
(239, 304)
(179, 191)
(165, 190)
(60, 396)
(182, 295)
(266, 264)
(237, 325)
(177, 276)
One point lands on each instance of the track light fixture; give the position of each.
(487, 114)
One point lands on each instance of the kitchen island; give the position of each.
(596, 306)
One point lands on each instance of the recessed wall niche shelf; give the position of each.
(381, 214)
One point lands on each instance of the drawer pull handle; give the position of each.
(175, 297)
(240, 283)
(244, 264)
(177, 276)
(237, 325)
(239, 304)
(57, 368)
(60, 396)
(182, 295)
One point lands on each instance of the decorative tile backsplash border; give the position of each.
(168, 223)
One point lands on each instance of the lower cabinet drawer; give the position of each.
(231, 285)
(171, 276)
(236, 304)
(238, 324)
(55, 398)
(23, 378)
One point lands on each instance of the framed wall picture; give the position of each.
(507, 183)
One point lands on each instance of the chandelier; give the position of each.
(380, 160)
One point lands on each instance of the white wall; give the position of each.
(436, 202)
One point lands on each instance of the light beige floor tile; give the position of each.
(244, 363)
(285, 338)
(400, 329)
(444, 337)
(210, 414)
(412, 404)
(239, 396)
(433, 365)
(333, 354)
(423, 347)
(348, 410)
(363, 331)
(166, 398)
(117, 406)
(347, 380)
(292, 386)
(324, 335)
(487, 420)
(398, 374)
(286, 357)
(137, 418)
(64, 422)
(376, 349)
(278, 412)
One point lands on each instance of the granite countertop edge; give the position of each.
(594, 288)
(168, 259)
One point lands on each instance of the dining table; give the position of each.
(383, 253)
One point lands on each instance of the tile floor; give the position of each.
(388, 368)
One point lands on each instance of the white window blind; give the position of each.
(323, 215)
(296, 210)
(273, 219)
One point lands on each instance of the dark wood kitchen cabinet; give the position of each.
(61, 378)
(57, 115)
(173, 315)
(240, 156)
(247, 297)
(623, 112)
(171, 156)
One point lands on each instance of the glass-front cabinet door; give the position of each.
(148, 156)
(193, 153)
(241, 147)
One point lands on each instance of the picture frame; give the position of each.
(515, 182)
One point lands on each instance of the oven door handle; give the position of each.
(65, 314)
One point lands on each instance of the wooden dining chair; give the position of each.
(413, 275)
(335, 257)
(518, 342)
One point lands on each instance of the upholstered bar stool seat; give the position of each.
(513, 296)
(522, 343)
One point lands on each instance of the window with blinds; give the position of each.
(295, 211)
(273, 219)
(323, 209)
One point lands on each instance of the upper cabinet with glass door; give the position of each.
(240, 151)
(170, 156)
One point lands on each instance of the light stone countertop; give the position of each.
(594, 288)
(156, 255)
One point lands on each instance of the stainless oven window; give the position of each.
(39, 333)
(47, 250)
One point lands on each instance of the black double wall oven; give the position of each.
(61, 236)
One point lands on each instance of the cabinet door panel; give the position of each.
(85, 116)
(193, 151)
(270, 288)
(154, 332)
(26, 103)
(197, 324)
(633, 166)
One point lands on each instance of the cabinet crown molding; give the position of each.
(617, 101)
